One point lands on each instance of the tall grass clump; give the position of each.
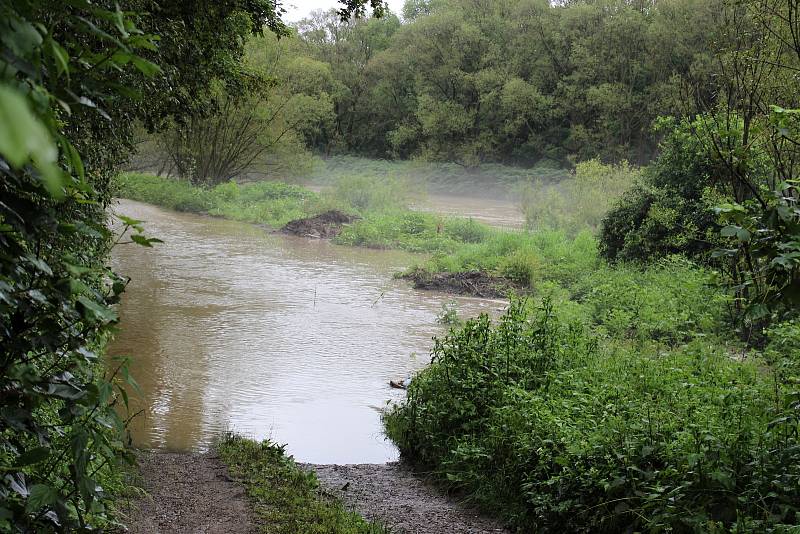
(364, 193)
(578, 202)
(414, 231)
(535, 421)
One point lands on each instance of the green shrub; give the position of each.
(466, 230)
(670, 210)
(534, 422)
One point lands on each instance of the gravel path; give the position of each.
(189, 493)
(401, 500)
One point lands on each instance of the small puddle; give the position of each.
(232, 328)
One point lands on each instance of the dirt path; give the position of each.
(401, 500)
(189, 493)
(193, 494)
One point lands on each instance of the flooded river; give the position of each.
(232, 328)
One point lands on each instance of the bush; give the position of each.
(671, 210)
(537, 424)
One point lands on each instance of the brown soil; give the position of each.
(325, 225)
(188, 494)
(473, 283)
(401, 499)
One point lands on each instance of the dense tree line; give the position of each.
(513, 80)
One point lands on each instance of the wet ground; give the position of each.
(402, 500)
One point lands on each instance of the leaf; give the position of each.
(24, 138)
(33, 456)
(144, 241)
(743, 235)
(41, 495)
(129, 220)
(60, 57)
(148, 68)
(97, 310)
(65, 391)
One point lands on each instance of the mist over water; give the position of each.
(232, 328)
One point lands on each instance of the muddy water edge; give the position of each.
(230, 327)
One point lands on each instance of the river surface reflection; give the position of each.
(230, 327)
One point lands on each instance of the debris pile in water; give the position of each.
(325, 225)
(474, 283)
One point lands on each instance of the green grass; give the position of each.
(286, 499)
(270, 203)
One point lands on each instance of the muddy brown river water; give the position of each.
(230, 327)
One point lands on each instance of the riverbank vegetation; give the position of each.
(657, 390)
(287, 499)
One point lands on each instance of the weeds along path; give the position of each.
(393, 495)
(189, 494)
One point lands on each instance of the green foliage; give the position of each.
(287, 499)
(60, 432)
(73, 79)
(271, 203)
(529, 258)
(579, 202)
(449, 314)
(671, 301)
(670, 210)
(539, 424)
(512, 81)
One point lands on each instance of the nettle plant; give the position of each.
(60, 431)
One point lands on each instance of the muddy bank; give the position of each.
(471, 283)
(188, 494)
(325, 225)
(400, 499)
